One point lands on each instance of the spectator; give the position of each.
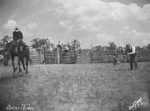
(132, 52)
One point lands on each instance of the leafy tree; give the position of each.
(148, 46)
(37, 43)
(137, 48)
(75, 43)
(6, 39)
(112, 46)
(97, 48)
(1, 44)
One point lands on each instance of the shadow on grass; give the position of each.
(11, 78)
(13, 91)
(122, 70)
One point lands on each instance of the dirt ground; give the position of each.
(76, 87)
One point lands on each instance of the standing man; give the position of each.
(59, 53)
(131, 51)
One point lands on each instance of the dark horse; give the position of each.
(22, 52)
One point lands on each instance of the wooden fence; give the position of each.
(68, 57)
(36, 55)
(39, 56)
(107, 57)
(84, 57)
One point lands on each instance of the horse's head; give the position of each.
(6, 55)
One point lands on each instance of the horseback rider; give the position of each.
(17, 40)
(17, 35)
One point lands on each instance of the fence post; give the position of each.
(77, 54)
(39, 56)
(55, 56)
(74, 54)
(58, 54)
(91, 56)
(62, 57)
(45, 54)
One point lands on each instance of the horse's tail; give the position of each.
(30, 60)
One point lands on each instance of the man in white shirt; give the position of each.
(132, 53)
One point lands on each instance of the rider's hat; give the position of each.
(127, 44)
(16, 28)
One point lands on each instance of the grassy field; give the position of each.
(78, 87)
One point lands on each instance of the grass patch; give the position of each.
(91, 87)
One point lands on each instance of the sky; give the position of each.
(95, 22)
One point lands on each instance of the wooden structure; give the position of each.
(84, 57)
(42, 55)
(37, 55)
(61, 57)
(107, 56)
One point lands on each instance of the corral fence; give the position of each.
(62, 57)
(42, 55)
(57, 56)
(36, 55)
(108, 56)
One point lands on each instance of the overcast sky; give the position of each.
(89, 21)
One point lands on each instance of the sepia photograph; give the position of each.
(74, 55)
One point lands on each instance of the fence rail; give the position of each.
(73, 57)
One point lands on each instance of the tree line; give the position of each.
(45, 42)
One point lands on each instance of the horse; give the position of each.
(22, 52)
